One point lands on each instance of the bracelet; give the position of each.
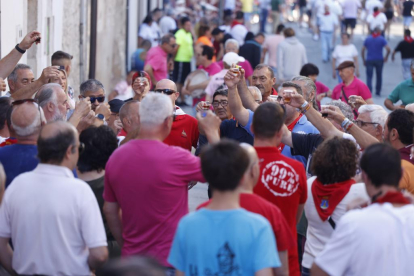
(349, 126)
(20, 50)
(345, 122)
(306, 108)
(304, 105)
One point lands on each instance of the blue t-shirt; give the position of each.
(17, 159)
(302, 126)
(233, 130)
(229, 242)
(374, 47)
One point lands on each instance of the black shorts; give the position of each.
(389, 14)
(181, 71)
(350, 22)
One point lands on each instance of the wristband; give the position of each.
(344, 122)
(304, 105)
(349, 126)
(20, 50)
(304, 109)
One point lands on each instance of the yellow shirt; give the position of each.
(185, 40)
(247, 5)
(407, 180)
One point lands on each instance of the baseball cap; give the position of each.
(216, 31)
(232, 58)
(115, 105)
(345, 64)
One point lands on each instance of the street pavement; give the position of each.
(392, 75)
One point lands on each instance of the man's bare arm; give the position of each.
(6, 255)
(150, 71)
(284, 269)
(235, 104)
(245, 95)
(112, 213)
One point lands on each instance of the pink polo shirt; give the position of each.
(356, 87)
(212, 69)
(149, 180)
(320, 88)
(248, 70)
(157, 58)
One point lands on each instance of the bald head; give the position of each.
(168, 84)
(54, 141)
(253, 171)
(129, 115)
(251, 152)
(26, 120)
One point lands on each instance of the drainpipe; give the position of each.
(126, 37)
(92, 50)
(81, 41)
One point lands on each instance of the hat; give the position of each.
(115, 105)
(345, 64)
(216, 31)
(232, 58)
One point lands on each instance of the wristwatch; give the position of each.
(100, 117)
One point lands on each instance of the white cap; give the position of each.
(180, 2)
(232, 58)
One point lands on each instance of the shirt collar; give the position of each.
(54, 170)
(303, 120)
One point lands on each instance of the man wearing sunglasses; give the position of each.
(184, 132)
(51, 197)
(95, 90)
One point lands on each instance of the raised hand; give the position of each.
(49, 73)
(29, 39)
(232, 79)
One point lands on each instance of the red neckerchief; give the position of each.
(9, 141)
(375, 35)
(234, 23)
(327, 13)
(290, 127)
(122, 133)
(327, 197)
(376, 13)
(274, 92)
(408, 38)
(392, 197)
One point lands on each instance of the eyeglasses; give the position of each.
(222, 103)
(165, 91)
(360, 123)
(100, 99)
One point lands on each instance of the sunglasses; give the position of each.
(100, 99)
(165, 91)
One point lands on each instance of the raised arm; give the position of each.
(235, 104)
(245, 95)
(10, 61)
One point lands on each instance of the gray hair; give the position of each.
(309, 84)
(345, 109)
(91, 85)
(155, 108)
(231, 41)
(255, 91)
(292, 84)
(30, 129)
(125, 110)
(376, 112)
(13, 75)
(166, 38)
(47, 94)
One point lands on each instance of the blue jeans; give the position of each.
(377, 64)
(326, 40)
(263, 19)
(406, 63)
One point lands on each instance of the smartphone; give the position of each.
(37, 40)
(61, 67)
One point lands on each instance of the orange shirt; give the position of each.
(407, 180)
(206, 41)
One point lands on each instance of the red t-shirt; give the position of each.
(258, 205)
(184, 131)
(283, 182)
(149, 180)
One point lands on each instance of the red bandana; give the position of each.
(327, 13)
(327, 197)
(290, 127)
(235, 22)
(408, 38)
(393, 197)
(375, 35)
(8, 142)
(376, 13)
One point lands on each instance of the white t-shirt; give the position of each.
(230, 5)
(371, 4)
(320, 6)
(328, 22)
(378, 21)
(319, 231)
(344, 53)
(147, 32)
(376, 240)
(167, 24)
(53, 219)
(239, 33)
(350, 8)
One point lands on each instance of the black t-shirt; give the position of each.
(232, 130)
(302, 3)
(406, 49)
(251, 51)
(305, 145)
(407, 8)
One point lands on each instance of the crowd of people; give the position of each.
(302, 179)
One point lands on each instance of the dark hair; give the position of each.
(294, 85)
(132, 266)
(207, 51)
(202, 30)
(147, 19)
(262, 65)
(335, 160)
(5, 105)
(144, 43)
(260, 34)
(249, 36)
(280, 28)
(309, 69)
(156, 10)
(345, 33)
(53, 149)
(184, 20)
(221, 91)
(239, 15)
(288, 32)
(100, 143)
(166, 38)
(382, 164)
(268, 119)
(58, 55)
(224, 164)
(407, 32)
(376, 9)
(403, 121)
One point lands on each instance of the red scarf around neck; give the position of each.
(392, 197)
(327, 197)
(375, 35)
(376, 13)
(290, 127)
(327, 13)
(408, 38)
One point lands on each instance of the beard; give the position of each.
(58, 116)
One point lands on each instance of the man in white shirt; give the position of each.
(350, 14)
(52, 218)
(376, 240)
(239, 31)
(328, 24)
(376, 19)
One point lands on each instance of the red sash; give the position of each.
(290, 127)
